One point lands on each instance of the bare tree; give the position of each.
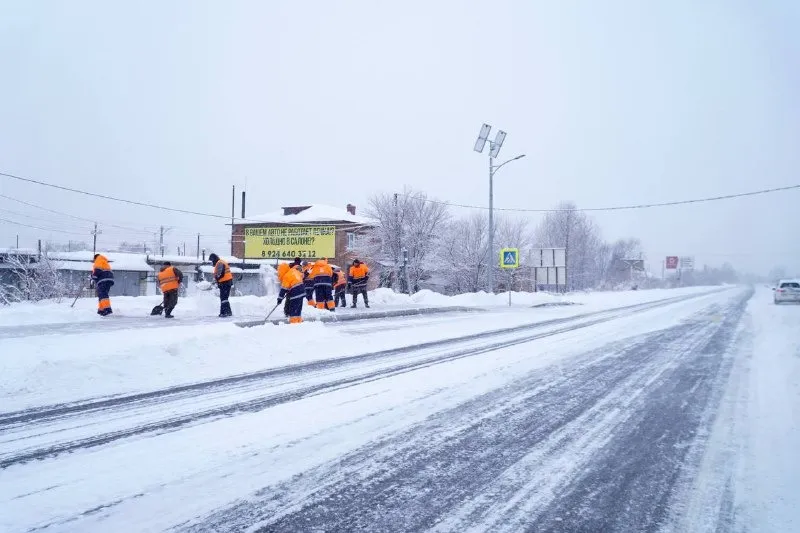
(568, 228)
(36, 279)
(465, 258)
(407, 221)
(616, 270)
(463, 255)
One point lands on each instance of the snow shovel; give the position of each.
(273, 310)
(78, 295)
(157, 310)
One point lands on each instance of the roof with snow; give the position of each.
(119, 260)
(314, 213)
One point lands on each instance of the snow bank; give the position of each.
(203, 301)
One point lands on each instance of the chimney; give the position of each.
(294, 210)
(351, 209)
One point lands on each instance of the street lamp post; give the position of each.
(492, 170)
(494, 150)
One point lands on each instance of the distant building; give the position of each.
(135, 274)
(306, 231)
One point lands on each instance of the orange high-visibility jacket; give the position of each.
(322, 273)
(291, 279)
(222, 271)
(358, 274)
(168, 279)
(292, 285)
(101, 269)
(283, 268)
(307, 274)
(341, 278)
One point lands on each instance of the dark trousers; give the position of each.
(309, 292)
(339, 298)
(224, 293)
(103, 301)
(360, 289)
(324, 297)
(295, 307)
(286, 306)
(170, 301)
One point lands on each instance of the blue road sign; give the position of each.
(509, 258)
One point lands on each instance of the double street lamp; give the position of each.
(494, 150)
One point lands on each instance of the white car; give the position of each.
(788, 290)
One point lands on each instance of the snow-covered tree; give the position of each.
(568, 228)
(35, 280)
(410, 221)
(464, 257)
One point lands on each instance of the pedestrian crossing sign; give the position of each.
(509, 258)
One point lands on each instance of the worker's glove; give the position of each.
(280, 300)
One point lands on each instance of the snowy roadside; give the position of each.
(206, 304)
(52, 368)
(769, 477)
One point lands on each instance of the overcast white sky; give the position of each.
(613, 102)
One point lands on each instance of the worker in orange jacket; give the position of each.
(293, 290)
(169, 281)
(224, 279)
(308, 282)
(103, 279)
(322, 274)
(359, 276)
(339, 287)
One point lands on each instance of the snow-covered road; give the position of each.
(641, 417)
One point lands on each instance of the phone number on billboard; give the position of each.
(284, 254)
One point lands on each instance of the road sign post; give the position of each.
(509, 260)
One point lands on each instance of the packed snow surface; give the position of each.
(511, 418)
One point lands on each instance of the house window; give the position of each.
(352, 240)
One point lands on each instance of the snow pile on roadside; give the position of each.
(205, 303)
(429, 298)
(55, 368)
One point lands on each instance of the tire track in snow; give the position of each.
(612, 429)
(232, 404)
(10, 419)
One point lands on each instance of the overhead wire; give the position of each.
(76, 217)
(40, 228)
(355, 225)
(620, 207)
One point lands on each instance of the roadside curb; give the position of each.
(370, 315)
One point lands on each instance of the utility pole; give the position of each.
(197, 256)
(94, 239)
(490, 266)
(405, 271)
(233, 213)
(244, 240)
(17, 241)
(161, 241)
(399, 244)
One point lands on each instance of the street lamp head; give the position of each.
(483, 135)
(519, 157)
(497, 144)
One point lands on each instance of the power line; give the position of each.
(106, 197)
(624, 207)
(353, 225)
(40, 228)
(70, 215)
